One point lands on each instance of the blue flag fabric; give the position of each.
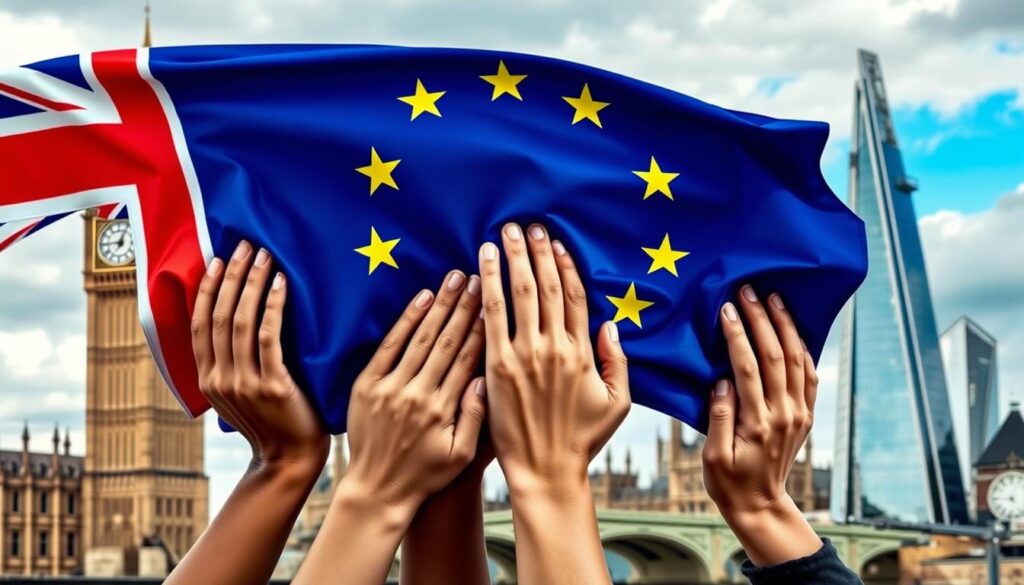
(371, 171)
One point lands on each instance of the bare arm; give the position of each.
(248, 385)
(412, 427)
(553, 409)
(445, 542)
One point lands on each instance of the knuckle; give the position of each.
(220, 321)
(233, 273)
(466, 361)
(812, 377)
(552, 291)
(196, 327)
(774, 356)
(422, 340)
(494, 307)
(253, 277)
(720, 413)
(760, 432)
(577, 296)
(241, 324)
(524, 289)
(796, 359)
(447, 344)
(444, 301)
(265, 337)
(747, 368)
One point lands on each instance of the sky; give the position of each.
(954, 72)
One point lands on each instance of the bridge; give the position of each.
(685, 549)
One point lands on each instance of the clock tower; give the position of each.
(999, 473)
(144, 482)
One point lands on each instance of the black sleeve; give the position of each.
(821, 568)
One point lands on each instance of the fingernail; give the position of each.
(261, 257)
(513, 232)
(748, 293)
(481, 387)
(214, 267)
(729, 311)
(278, 281)
(537, 232)
(481, 312)
(423, 299)
(722, 388)
(776, 300)
(489, 251)
(474, 285)
(241, 251)
(558, 248)
(455, 280)
(613, 332)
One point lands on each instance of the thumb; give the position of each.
(721, 422)
(472, 410)
(614, 369)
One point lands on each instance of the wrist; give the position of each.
(565, 482)
(363, 502)
(773, 533)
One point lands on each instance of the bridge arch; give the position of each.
(881, 566)
(658, 558)
(501, 552)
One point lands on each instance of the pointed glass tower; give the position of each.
(895, 453)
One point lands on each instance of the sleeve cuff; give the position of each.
(796, 570)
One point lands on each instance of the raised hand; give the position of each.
(757, 426)
(241, 364)
(553, 408)
(414, 420)
(243, 376)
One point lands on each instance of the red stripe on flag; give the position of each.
(36, 100)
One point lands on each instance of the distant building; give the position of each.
(41, 510)
(969, 359)
(678, 485)
(1002, 464)
(895, 448)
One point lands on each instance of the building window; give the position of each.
(16, 501)
(159, 506)
(188, 508)
(70, 545)
(44, 502)
(177, 507)
(44, 543)
(71, 503)
(15, 543)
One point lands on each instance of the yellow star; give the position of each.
(657, 180)
(423, 101)
(379, 251)
(586, 107)
(629, 307)
(504, 82)
(379, 171)
(664, 257)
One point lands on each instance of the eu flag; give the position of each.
(369, 172)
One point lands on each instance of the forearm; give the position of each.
(557, 540)
(445, 542)
(775, 534)
(245, 540)
(357, 541)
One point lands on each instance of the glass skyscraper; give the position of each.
(895, 449)
(969, 357)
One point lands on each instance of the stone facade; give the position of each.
(41, 510)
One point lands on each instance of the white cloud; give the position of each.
(24, 352)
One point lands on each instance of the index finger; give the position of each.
(495, 315)
(744, 366)
(202, 343)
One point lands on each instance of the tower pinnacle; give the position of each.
(147, 40)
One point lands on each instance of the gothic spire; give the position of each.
(67, 441)
(147, 39)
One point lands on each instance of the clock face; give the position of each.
(1006, 496)
(114, 245)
